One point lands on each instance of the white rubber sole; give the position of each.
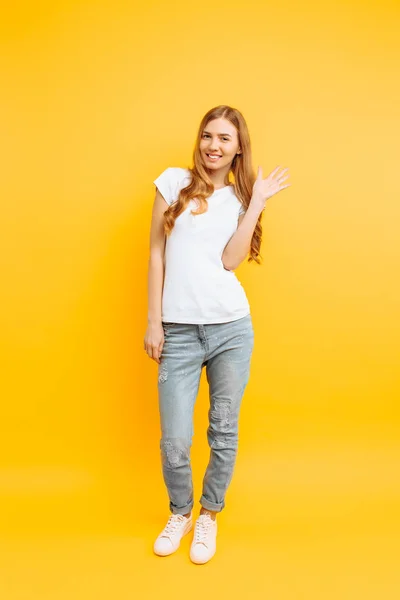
(202, 561)
(188, 528)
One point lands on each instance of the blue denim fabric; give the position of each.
(225, 350)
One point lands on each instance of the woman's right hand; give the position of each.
(154, 340)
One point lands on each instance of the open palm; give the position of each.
(271, 185)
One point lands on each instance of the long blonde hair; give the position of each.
(201, 186)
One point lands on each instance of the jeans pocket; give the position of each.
(167, 326)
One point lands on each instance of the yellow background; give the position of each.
(97, 99)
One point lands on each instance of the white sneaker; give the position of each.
(169, 539)
(204, 542)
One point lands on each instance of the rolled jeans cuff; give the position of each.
(181, 510)
(211, 505)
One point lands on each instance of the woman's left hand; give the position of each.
(265, 188)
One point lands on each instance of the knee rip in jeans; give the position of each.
(219, 442)
(220, 415)
(175, 452)
(222, 441)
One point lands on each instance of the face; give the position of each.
(220, 140)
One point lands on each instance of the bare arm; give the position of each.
(238, 246)
(154, 338)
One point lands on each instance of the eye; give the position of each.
(205, 135)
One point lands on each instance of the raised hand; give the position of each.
(265, 188)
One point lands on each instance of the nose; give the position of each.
(213, 146)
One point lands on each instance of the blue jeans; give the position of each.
(225, 350)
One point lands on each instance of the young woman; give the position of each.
(203, 226)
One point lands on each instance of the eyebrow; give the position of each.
(218, 134)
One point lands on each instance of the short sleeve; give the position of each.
(171, 182)
(242, 210)
(166, 184)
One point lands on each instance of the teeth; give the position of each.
(213, 156)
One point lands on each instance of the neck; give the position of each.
(219, 178)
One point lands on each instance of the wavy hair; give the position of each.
(201, 186)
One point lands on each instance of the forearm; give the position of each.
(155, 287)
(239, 245)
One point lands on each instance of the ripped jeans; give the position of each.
(225, 350)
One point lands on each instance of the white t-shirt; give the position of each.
(197, 287)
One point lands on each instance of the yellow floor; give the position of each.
(317, 520)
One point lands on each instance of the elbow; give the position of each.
(232, 262)
(229, 265)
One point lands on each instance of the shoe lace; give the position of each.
(174, 523)
(203, 526)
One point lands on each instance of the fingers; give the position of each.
(157, 353)
(280, 179)
(283, 172)
(271, 175)
(274, 171)
(154, 352)
(282, 187)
